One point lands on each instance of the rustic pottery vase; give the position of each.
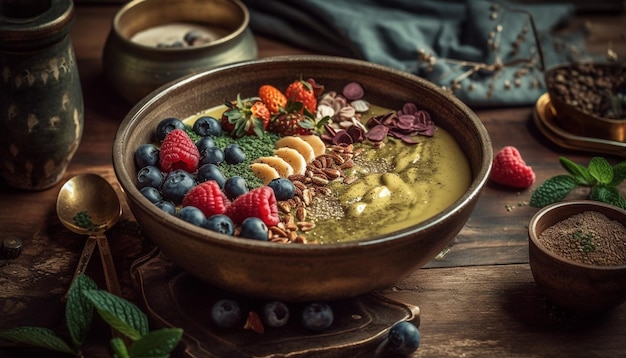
(41, 103)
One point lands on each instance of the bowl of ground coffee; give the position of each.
(577, 253)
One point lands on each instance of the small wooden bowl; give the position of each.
(569, 284)
(580, 122)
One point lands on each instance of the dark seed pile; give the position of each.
(589, 238)
(593, 89)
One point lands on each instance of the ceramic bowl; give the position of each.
(567, 283)
(295, 272)
(576, 120)
(135, 68)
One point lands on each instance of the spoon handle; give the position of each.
(85, 257)
(110, 275)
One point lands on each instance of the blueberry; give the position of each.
(212, 155)
(176, 185)
(193, 37)
(404, 338)
(317, 316)
(226, 313)
(233, 154)
(283, 188)
(147, 154)
(235, 186)
(220, 223)
(192, 215)
(254, 228)
(211, 172)
(149, 176)
(275, 314)
(166, 126)
(207, 126)
(203, 143)
(153, 194)
(166, 206)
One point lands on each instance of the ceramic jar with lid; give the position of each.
(41, 102)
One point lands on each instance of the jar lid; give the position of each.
(36, 31)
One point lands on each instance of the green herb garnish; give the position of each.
(84, 298)
(585, 240)
(599, 176)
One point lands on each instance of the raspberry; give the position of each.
(509, 169)
(259, 202)
(178, 151)
(208, 197)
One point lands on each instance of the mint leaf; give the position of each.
(580, 173)
(79, 310)
(609, 195)
(619, 174)
(119, 313)
(601, 170)
(552, 190)
(158, 343)
(119, 348)
(37, 337)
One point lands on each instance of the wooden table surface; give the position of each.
(479, 300)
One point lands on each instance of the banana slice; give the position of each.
(316, 143)
(264, 172)
(282, 167)
(293, 157)
(297, 143)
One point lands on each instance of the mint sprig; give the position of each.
(83, 299)
(599, 176)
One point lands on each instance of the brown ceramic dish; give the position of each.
(295, 272)
(135, 69)
(580, 122)
(572, 285)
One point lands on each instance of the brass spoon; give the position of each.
(88, 205)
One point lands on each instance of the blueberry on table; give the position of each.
(254, 228)
(192, 215)
(149, 176)
(146, 154)
(151, 193)
(220, 223)
(235, 186)
(404, 338)
(203, 143)
(283, 188)
(212, 155)
(176, 185)
(166, 206)
(275, 314)
(226, 313)
(211, 172)
(167, 125)
(207, 126)
(317, 316)
(234, 154)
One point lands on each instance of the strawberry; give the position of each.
(273, 98)
(208, 197)
(259, 202)
(245, 117)
(178, 151)
(302, 91)
(293, 120)
(509, 169)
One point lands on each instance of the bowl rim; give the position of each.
(585, 205)
(474, 189)
(243, 27)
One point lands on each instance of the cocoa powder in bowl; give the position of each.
(588, 238)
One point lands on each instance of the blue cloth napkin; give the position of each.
(433, 39)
